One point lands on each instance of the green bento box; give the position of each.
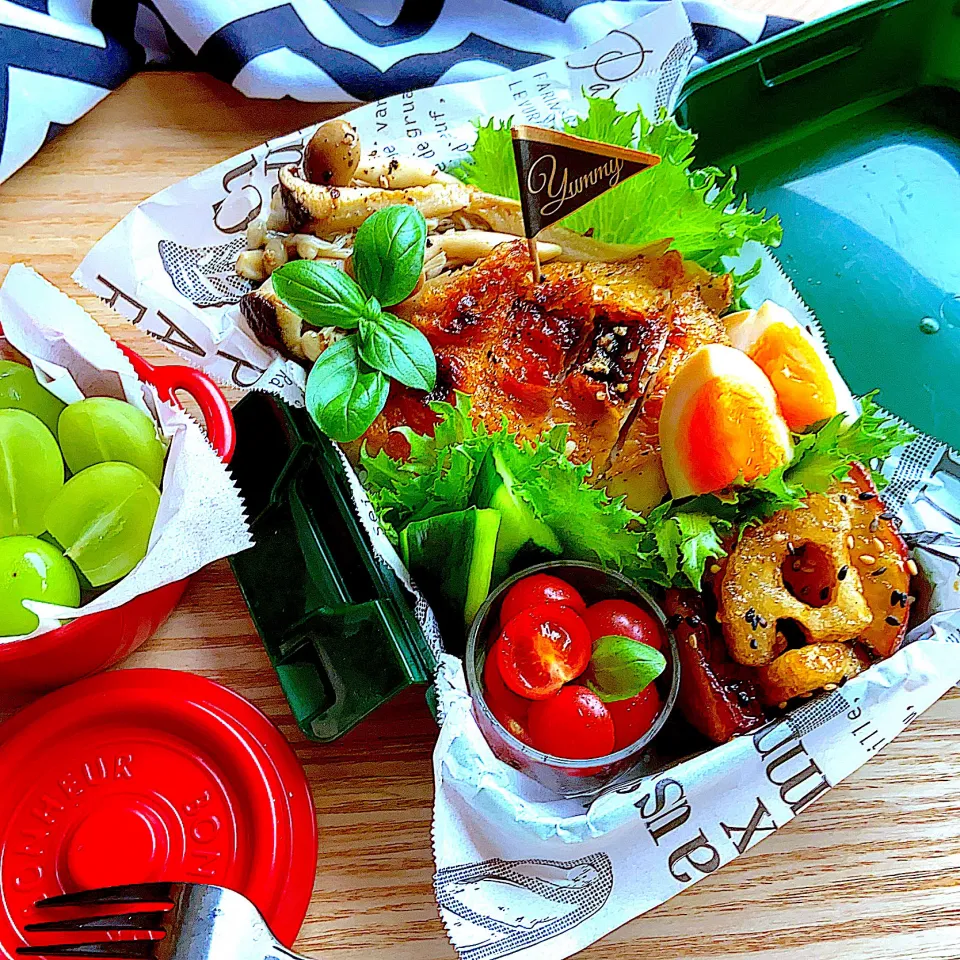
(849, 129)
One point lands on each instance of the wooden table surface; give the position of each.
(868, 873)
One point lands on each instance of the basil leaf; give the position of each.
(621, 668)
(400, 350)
(371, 311)
(320, 293)
(388, 253)
(344, 395)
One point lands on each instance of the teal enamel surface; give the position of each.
(863, 165)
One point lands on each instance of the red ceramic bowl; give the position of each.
(29, 668)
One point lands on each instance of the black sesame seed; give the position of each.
(843, 498)
(824, 593)
(753, 643)
(694, 621)
(878, 572)
(898, 598)
(887, 515)
(893, 621)
(842, 572)
(866, 495)
(674, 621)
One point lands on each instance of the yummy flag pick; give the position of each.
(558, 173)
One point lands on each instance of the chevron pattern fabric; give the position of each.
(58, 58)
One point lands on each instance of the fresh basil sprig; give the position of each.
(320, 293)
(344, 394)
(620, 668)
(349, 384)
(400, 349)
(388, 253)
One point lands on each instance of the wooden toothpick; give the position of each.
(535, 257)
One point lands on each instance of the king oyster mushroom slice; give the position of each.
(250, 265)
(469, 246)
(400, 172)
(275, 325)
(435, 262)
(330, 210)
(498, 213)
(277, 218)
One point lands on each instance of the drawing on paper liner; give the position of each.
(206, 276)
(498, 907)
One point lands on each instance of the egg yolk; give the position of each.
(729, 435)
(797, 373)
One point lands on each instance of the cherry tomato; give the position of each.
(575, 724)
(540, 588)
(541, 649)
(621, 618)
(504, 704)
(633, 717)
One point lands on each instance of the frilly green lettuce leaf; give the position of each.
(698, 208)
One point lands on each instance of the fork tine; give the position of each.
(118, 949)
(128, 893)
(152, 921)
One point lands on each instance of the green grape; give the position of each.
(100, 429)
(20, 389)
(31, 569)
(103, 517)
(31, 472)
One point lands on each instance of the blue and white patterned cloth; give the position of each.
(63, 56)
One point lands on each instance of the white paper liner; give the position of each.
(519, 873)
(201, 516)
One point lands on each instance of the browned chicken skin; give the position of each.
(594, 345)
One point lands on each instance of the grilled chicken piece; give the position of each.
(544, 335)
(584, 347)
(717, 696)
(691, 321)
(501, 339)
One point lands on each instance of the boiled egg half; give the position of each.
(807, 383)
(720, 422)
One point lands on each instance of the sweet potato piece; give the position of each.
(717, 696)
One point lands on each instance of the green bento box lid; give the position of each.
(849, 129)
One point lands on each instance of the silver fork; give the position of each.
(198, 922)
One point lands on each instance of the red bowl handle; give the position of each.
(217, 416)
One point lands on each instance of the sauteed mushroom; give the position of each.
(468, 246)
(400, 172)
(332, 154)
(274, 324)
(331, 210)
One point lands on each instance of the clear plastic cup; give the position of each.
(564, 776)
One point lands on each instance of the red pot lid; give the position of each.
(145, 775)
